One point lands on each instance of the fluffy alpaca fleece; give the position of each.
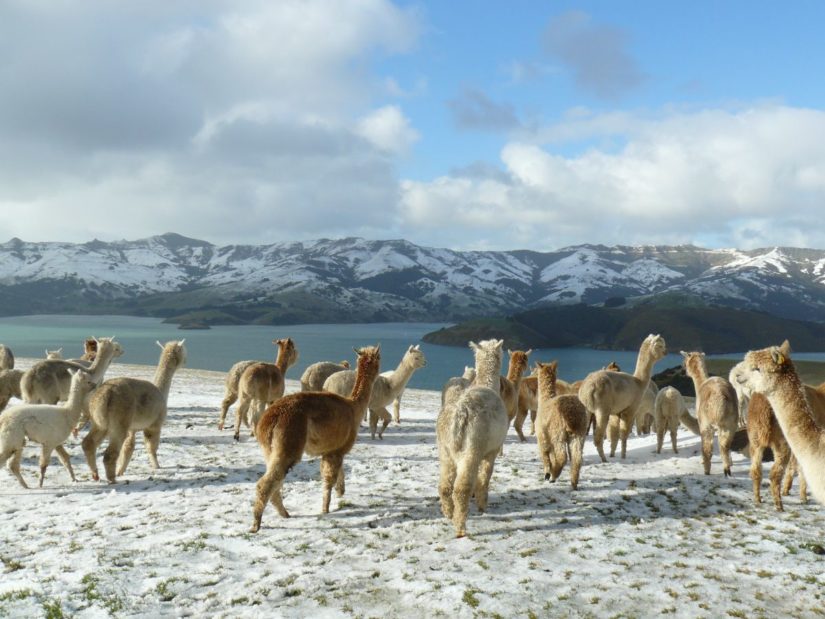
(9, 386)
(771, 372)
(316, 374)
(716, 409)
(470, 430)
(561, 425)
(121, 407)
(605, 393)
(385, 390)
(510, 387)
(316, 423)
(233, 377)
(6, 358)
(47, 424)
(455, 385)
(667, 411)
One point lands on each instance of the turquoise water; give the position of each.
(220, 347)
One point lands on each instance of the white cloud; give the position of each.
(388, 129)
(747, 178)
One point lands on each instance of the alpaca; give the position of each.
(6, 358)
(510, 387)
(716, 409)
(667, 410)
(318, 423)
(771, 372)
(384, 391)
(643, 419)
(561, 425)
(47, 381)
(743, 401)
(455, 385)
(263, 383)
(528, 402)
(49, 425)
(606, 393)
(314, 376)
(9, 386)
(121, 407)
(54, 354)
(233, 377)
(470, 431)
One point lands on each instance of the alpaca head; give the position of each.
(694, 363)
(369, 360)
(344, 363)
(82, 381)
(414, 357)
(469, 373)
(547, 374)
(174, 353)
(488, 360)
(762, 371)
(519, 361)
(613, 367)
(106, 346)
(655, 345)
(54, 354)
(90, 346)
(287, 352)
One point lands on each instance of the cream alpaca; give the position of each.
(385, 389)
(316, 374)
(470, 431)
(318, 423)
(716, 409)
(455, 385)
(605, 393)
(120, 407)
(47, 424)
(667, 411)
(561, 425)
(233, 377)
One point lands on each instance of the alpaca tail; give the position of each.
(689, 421)
(458, 427)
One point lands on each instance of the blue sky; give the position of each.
(461, 124)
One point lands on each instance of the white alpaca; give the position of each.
(6, 358)
(316, 374)
(667, 412)
(47, 381)
(120, 407)
(470, 431)
(9, 386)
(605, 393)
(47, 424)
(385, 389)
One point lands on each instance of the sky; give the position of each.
(468, 125)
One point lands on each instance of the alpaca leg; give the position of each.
(267, 487)
(396, 409)
(613, 433)
(45, 456)
(625, 425)
(117, 436)
(340, 485)
(673, 431)
(660, 438)
(518, 423)
(533, 422)
(126, 453)
(781, 456)
(803, 487)
(576, 457)
(707, 448)
(560, 459)
(229, 399)
(330, 466)
(446, 482)
(241, 413)
(14, 466)
(90, 444)
(63, 455)
(151, 438)
(462, 491)
(725, 440)
(790, 471)
(546, 456)
(373, 421)
(598, 433)
(756, 470)
(385, 416)
(485, 472)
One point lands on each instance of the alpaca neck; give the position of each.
(164, 373)
(515, 372)
(282, 362)
(698, 374)
(401, 376)
(74, 404)
(644, 365)
(546, 387)
(362, 389)
(488, 373)
(101, 363)
(793, 412)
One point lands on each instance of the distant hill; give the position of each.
(711, 329)
(187, 280)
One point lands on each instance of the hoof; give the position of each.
(728, 473)
(547, 477)
(237, 437)
(254, 528)
(220, 426)
(95, 477)
(460, 534)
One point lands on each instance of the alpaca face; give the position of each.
(369, 360)
(762, 370)
(287, 350)
(694, 362)
(82, 381)
(519, 360)
(415, 357)
(656, 346)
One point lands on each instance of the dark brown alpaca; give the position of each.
(316, 423)
(263, 383)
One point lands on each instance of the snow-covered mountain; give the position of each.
(354, 279)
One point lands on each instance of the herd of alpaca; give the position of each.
(477, 408)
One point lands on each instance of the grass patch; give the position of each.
(470, 599)
(93, 595)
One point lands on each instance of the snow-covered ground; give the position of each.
(647, 536)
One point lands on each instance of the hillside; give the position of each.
(357, 280)
(711, 329)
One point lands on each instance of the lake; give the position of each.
(220, 347)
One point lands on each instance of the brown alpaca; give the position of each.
(510, 387)
(716, 409)
(561, 424)
(771, 372)
(318, 423)
(263, 383)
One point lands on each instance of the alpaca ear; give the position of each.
(473, 346)
(357, 351)
(509, 353)
(784, 348)
(527, 354)
(417, 347)
(683, 353)
(159, 344)
(778, 357)
(182, 341)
